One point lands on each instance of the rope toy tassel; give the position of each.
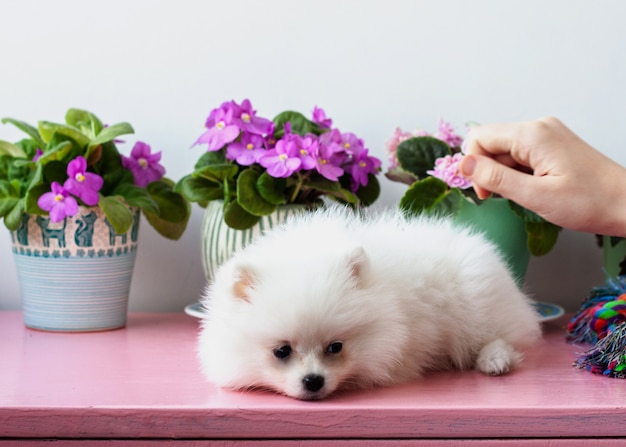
(608, 356)
(602, 322)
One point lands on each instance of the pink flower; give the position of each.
(392, 146)
(58, 203)
(447, 169)
(446, 134)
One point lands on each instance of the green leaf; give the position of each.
(217, 173)
(55, 171)
(542, 237)
(238, 218)
(272, 189)
(11, 149)
(85, 121)
(108, 134)
(137, 196)
(12, 219)
(300, 124)
(172, 206)
(109, 166)
(118, 213)
(169, 230)
(28, 129)
(248, 196)
(369, 193)
(32, 196)
(199, 189)
(418, 154)
(48, 130)
(333, 189)
(211, 158)
(399, 175)
(58, 152)
(525, 214)
(431, 196)
(9, 196)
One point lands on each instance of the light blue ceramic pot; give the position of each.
(75, 275)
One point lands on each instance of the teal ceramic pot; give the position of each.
(504, 228)
(75, 275)
(219, 241)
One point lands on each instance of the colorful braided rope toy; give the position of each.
(601, 321)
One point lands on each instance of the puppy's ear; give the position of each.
(243, 281)
(358, 263)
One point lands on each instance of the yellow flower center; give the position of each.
(249, 146)
(143, 162)
(323, 161)
(58, 197)
(362, 164)
(220, 125)
(283, 157)
(79, 177)
(304, 152)
(245, 117)
(346, 145)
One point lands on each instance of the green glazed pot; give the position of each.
(495, 218)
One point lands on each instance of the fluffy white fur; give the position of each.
(394, 297)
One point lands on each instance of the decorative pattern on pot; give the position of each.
(74, 275)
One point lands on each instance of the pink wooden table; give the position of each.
(143, 382)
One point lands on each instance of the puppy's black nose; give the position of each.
(313, 382)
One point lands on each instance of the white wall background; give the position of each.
(373, 65)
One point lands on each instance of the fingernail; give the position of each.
(468, 165)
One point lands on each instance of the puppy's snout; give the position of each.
(313, 382)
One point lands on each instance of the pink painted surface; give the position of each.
(143, 381)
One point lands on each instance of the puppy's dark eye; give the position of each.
(283, 352)
(335, 347)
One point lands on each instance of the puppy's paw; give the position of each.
(496, 358)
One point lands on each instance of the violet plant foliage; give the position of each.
(61, 166)
(255, 164)
(429, 164)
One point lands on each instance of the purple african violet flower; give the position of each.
(329, 159)
(447, 169)
(361, 166)
(320, 118)
(248, 150)
(308, 148)
(84, 185)
(144, 164)
(220, 128)
(58, 203)
(446, 134)
(245, 117)
(283, 160)
(38, 154)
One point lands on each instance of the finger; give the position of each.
(499, 141)
(489, 176)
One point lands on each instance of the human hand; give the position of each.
(543, 166)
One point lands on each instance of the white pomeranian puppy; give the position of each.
(331, 300)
